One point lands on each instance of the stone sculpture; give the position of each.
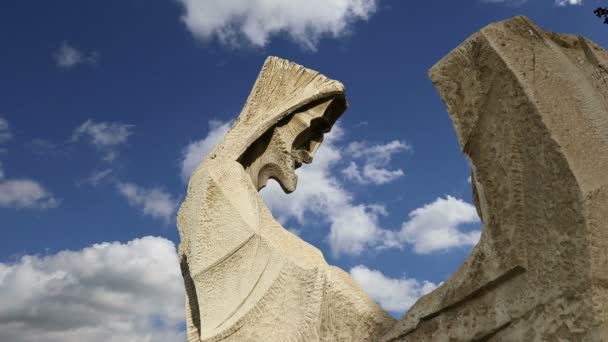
(530, 109)
(246, 277)
(531, 114)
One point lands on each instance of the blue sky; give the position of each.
(106, 106)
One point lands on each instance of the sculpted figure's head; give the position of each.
(282, 123)
(291, 143)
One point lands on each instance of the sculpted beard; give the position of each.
(280, 164)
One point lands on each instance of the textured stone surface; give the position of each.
(246, 277)
(530, 111)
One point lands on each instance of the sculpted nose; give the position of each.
(303, 156)
(314, 145)
(307, 157)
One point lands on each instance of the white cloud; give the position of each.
(67, 56)
(393, 294)
(375, 159)
(154, 202)
(435, 226)
(354, 227)
(5, 132)
(103, 134)
(562, 3)
(96, 177)
(377, 154)
(256, 21)
(25, 193)
(353, 173)
(197, 151)
(22, 193)
(110, 155)
(106, 136)
(106, 292)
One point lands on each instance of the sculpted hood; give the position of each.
(282, 88)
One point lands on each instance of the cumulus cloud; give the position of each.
(353, 226)
(106, 292)
(435, 226)
(25, 193)
(256, 21)
(562, 3)
(22, 193)
(197, 151)
(154, 202)
(5, 132)
(106, 136)
(393, 294)
(67, 56)
(375, 159)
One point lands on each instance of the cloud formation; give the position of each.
(22, 193)
(254, 22)
(96, 178)
(25, 193)
(393, 294)
(375, 159)
(154, 202)
(106, 292)
(562, 3)
(67, 56)
(435, 226)
(5, 132)
(106, 136)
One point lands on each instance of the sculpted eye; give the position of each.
(308, 140)
(302, 141)
(320, 124)
(312, 136)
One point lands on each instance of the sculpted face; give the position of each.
(292, 142)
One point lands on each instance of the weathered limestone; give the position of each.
(531, 113)
(246, 277)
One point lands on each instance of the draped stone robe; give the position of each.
(249, 279)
